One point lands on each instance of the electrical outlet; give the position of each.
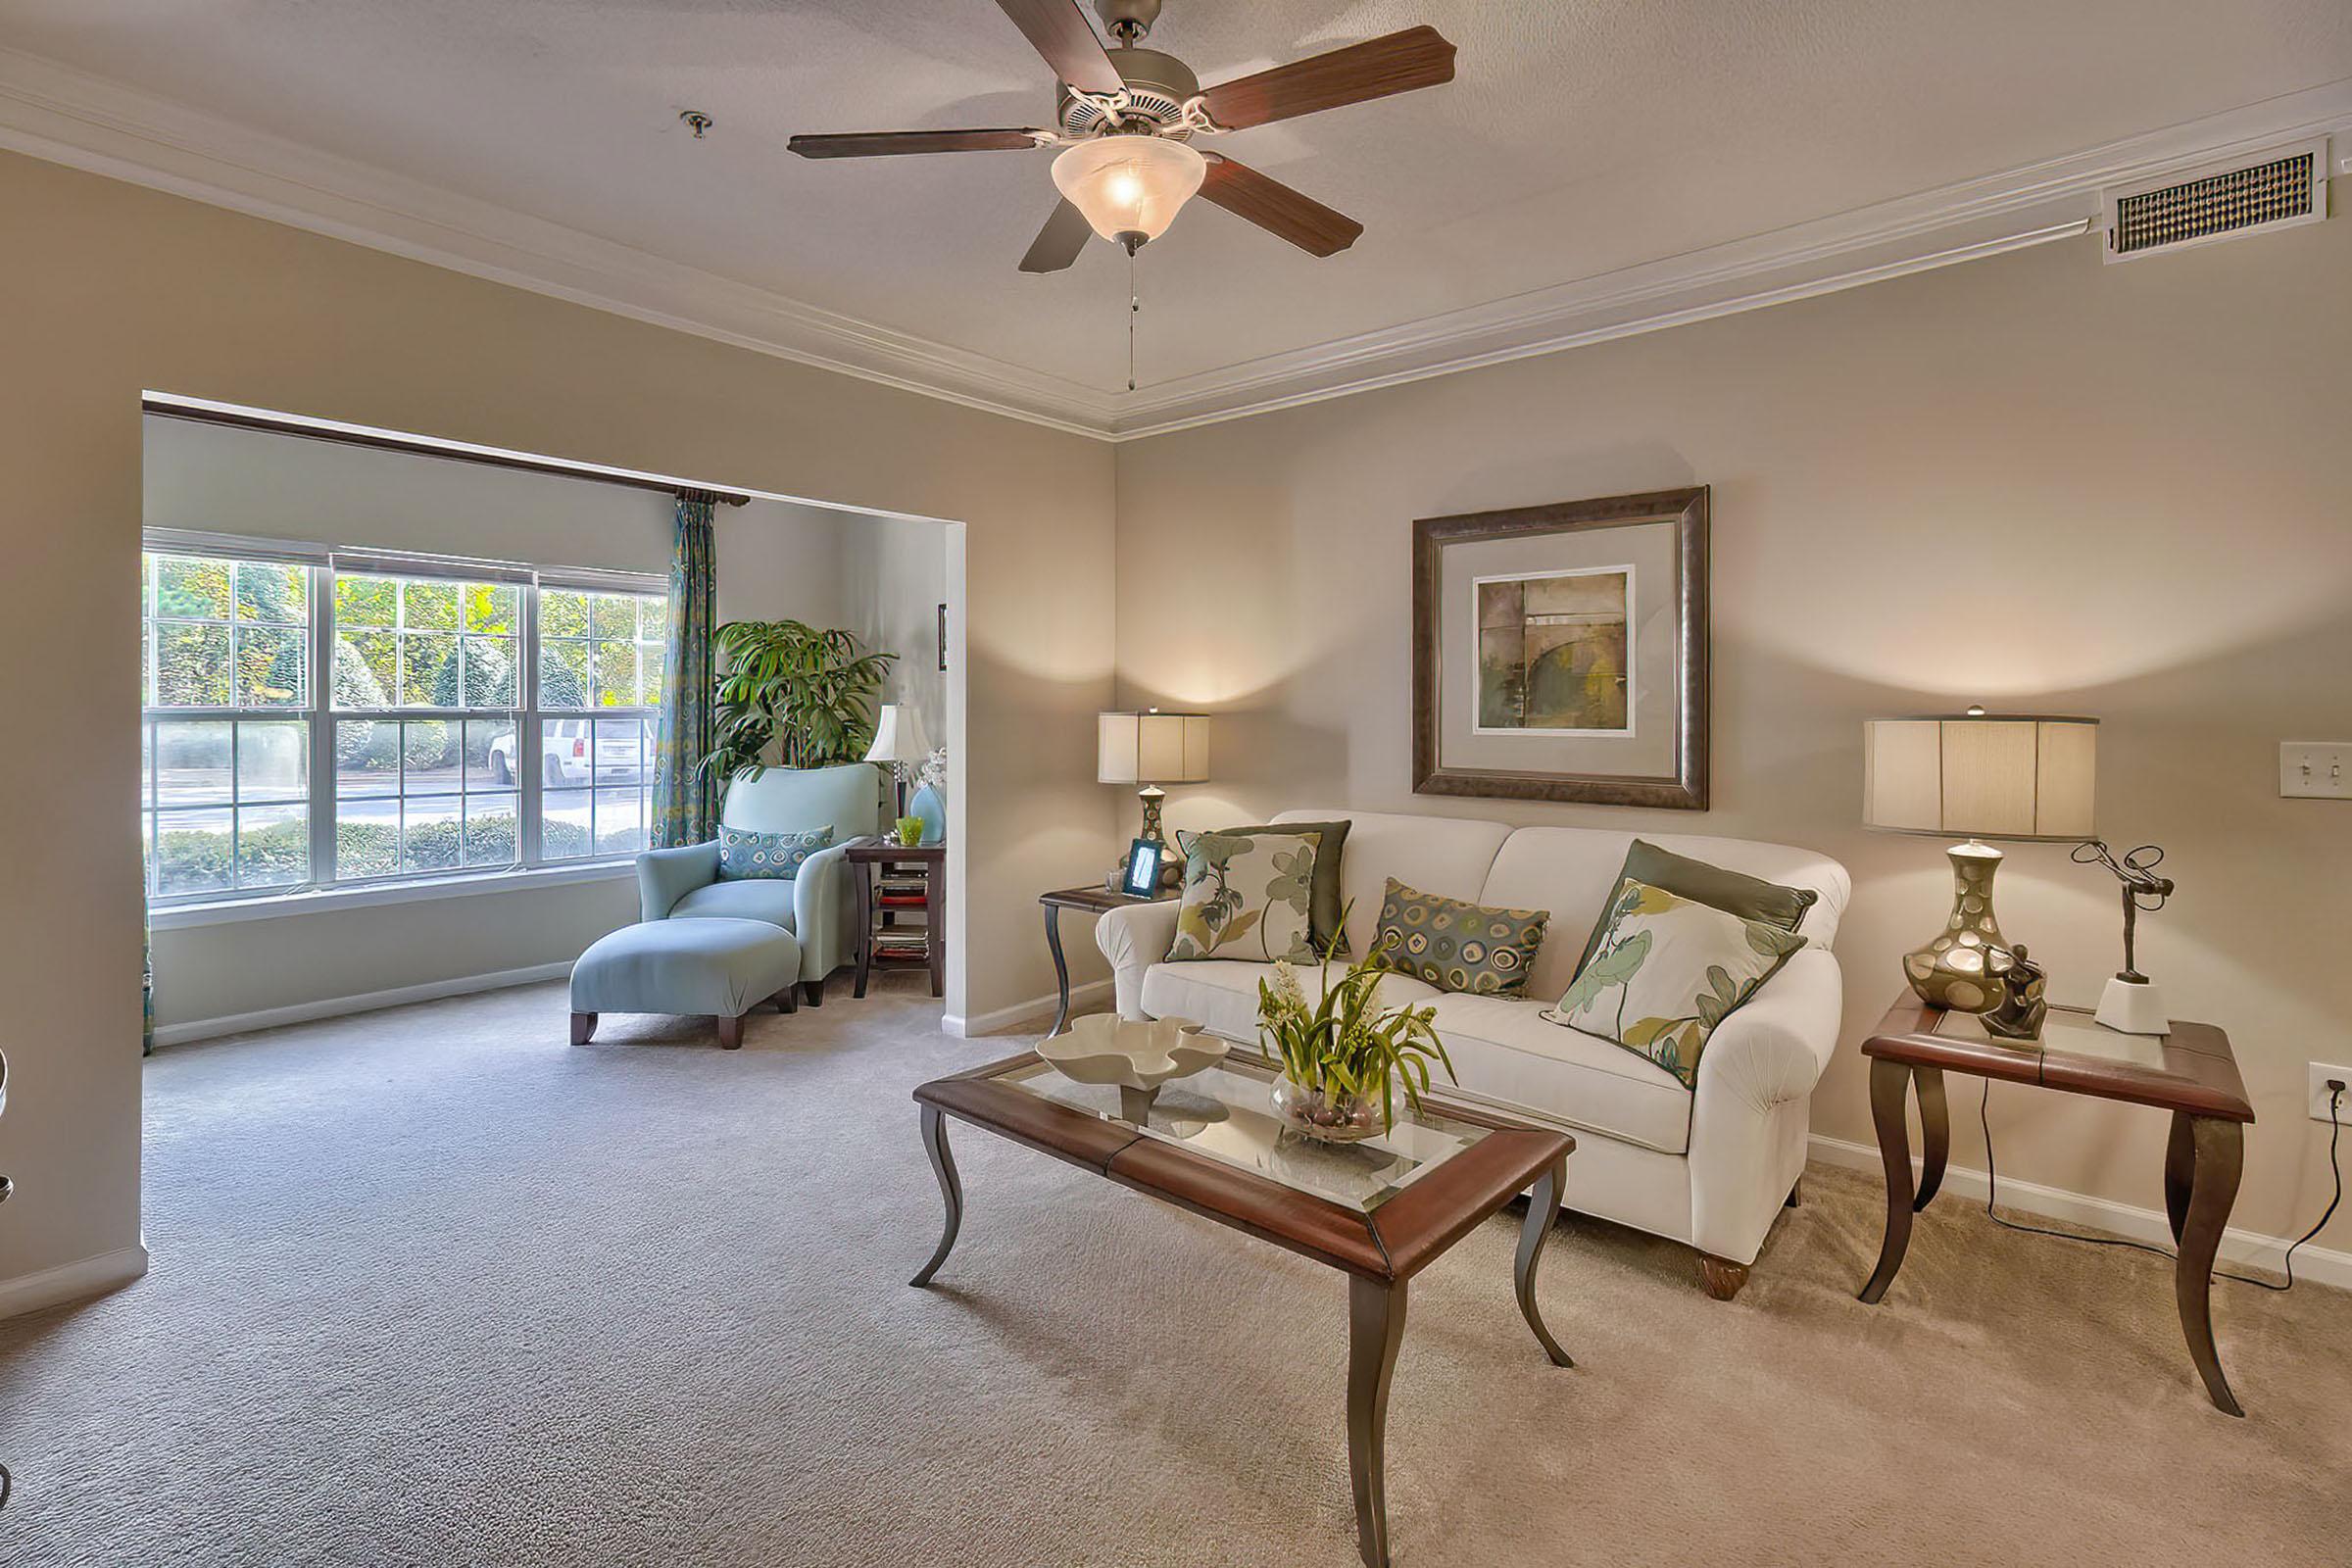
(2321, 1073)
(2315, 770)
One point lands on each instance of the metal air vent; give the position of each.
(2276, 189)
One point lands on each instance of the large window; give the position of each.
(312, 722)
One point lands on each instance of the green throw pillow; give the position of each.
(1456, 946)
(1246, 897)
(1750, 897)
(1324, 910)
(1667, 972)
(748, 856)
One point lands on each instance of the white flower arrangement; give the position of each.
(934, 769)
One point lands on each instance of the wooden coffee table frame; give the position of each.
(1378, 1252)
(2195, 1078)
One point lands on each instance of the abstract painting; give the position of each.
(1560, 652)
(1555, 652)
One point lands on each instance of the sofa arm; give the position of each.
(1775, 1048)
(664, 876)
(1752, 1108)
(1134, 938)
(820, 918)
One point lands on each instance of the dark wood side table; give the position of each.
(872, 857)
(1094, 901)
(2190, 1072)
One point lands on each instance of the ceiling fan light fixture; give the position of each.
(1130, 187)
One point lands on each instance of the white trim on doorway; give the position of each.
(72, 1282)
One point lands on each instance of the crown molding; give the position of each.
(68, 116)
(2052, 199)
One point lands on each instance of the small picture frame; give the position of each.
(1143, 869)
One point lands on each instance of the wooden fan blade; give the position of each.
(890, 143)
(1058, 243)
(1277, 209)
(1060, 31)
(1401, 62)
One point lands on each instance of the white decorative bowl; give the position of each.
(1104, 1048)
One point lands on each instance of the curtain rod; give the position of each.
(427, 449)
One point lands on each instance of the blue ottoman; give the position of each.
(723, 967)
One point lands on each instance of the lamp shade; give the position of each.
(1981, 776)
(1151, 747)
(1129, 186)
(898, 736)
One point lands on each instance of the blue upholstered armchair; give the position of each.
(818, 906)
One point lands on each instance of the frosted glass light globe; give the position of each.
(1129, 188)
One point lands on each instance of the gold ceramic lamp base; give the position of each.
(1962, 967)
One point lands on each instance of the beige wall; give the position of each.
(2034, 481)
(114, 289)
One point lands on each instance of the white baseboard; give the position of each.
(72, 1282)
(237, 1023)
(2251, 1248)
(1034, 1009)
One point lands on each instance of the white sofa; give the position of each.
(1712, 1166)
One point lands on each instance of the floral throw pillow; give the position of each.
(745, 855)
(1458, 945)
(1246, 895)
(1666, 972)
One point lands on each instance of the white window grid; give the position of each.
(609, 801)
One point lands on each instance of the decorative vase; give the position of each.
(1326, 1117)
(1962, 968)
(926, 804)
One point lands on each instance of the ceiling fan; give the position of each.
(1125, 119)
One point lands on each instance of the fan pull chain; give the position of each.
(1135, 307)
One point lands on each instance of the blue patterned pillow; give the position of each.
(745, 855)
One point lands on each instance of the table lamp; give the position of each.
(1150, 749)
(1976, 775)
(899, 740)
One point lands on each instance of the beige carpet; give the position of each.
(431, 1287)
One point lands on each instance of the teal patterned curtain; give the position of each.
(685, 808)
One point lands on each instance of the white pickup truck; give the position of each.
(564, 747)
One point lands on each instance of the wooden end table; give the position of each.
(869, 858)
(1378, 1211)
(1095, 900)
(2190, 1072)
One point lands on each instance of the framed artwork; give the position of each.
(943, 639)
(1143, 869)
(1560, 652)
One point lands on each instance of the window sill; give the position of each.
(276, 906)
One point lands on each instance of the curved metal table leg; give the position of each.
(1887, 1082)
(950, 1188)
(2180, 1171)
(1061, 971)
(1543, 1207)
(1934, 1134)
(2220, 1155)
(1375, 1328)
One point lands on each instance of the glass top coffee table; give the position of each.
(1379, 1212)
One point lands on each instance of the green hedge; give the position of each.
(190, 860)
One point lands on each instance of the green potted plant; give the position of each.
(1343, 1058)
(807, 692)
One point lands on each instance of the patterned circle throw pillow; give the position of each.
(1456, 946)
(745, 855)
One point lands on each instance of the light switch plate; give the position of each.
(2315, 770)
(2321, 1073)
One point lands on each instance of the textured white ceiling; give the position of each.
(1579, 136)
